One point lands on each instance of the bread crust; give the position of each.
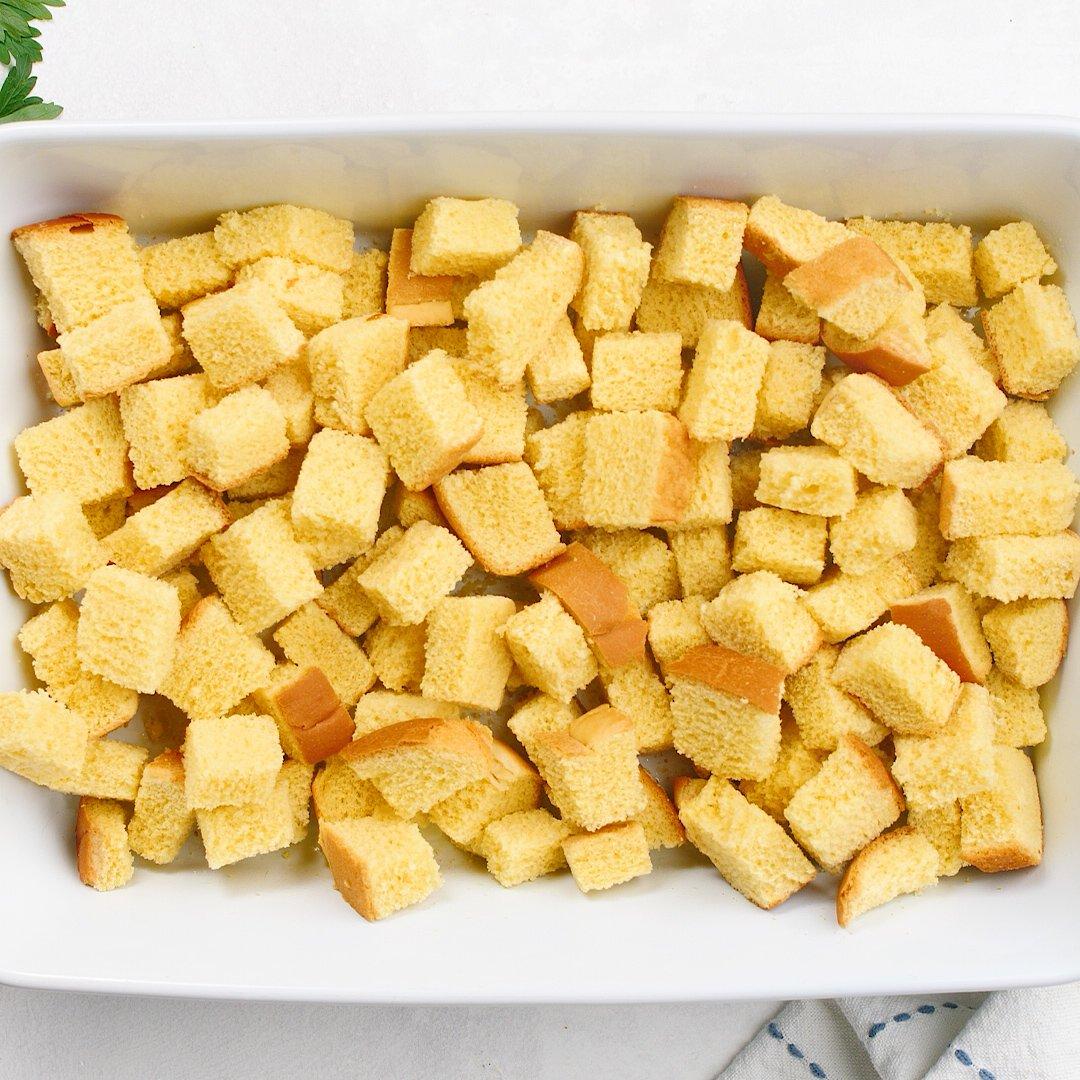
(746, 677)
(854, 881)
(823, 281)
(893, 353)
(675, 477)
(455, 737)
(419, 300)
(320, 724)
(70, 223)
(933, 620)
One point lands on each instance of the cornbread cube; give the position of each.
(311, 721)
(759, 615)
(234, 832)
(216, 664)
(1023, 432)
(783, 318)
(310, 638)
(637, 371)
(864, 422)
(102, 854)
(1001, 827)
(643, 562)
(1028, 639)
(895, 864)
(162, 820)
(635, 690)
(1010, 255)
(702, 560)
(119, 348)
(675, 628)
(1018, 715)
(181, 270)
(897, 353)
(381, 708)
(549, 648)
(292, 232)
(260, 569)
(795, 764)
(83, 453)
(899, 679)
(48, 546)
(850, 800)
(784, 237)
(464, 236)
(751, 851)
(790, 545)
(702, 241)
(557, 456)
(944, 616)
(1012, 567)
(413, 574)
(40, 738)
(811, 480)
(502, 411)
(271, 482)
(724, 381)
(1032, 336)
(364, 290)
(107, 517)
(501, 516)
(667, 307)
(397, 654)
(240, 335)
(344, 600)
(524, 846)
(637, 470)
(338, 496)
(128, 625)
(711, 494)
(938, 254)
(538, 716)
(789, 389)
(941, 826)
(230, 761)
(234, 440)
(881, 524)
(419, 300)
(616, 269)
(313, 298)
(609, 856)
(511, 316)
(558, 371)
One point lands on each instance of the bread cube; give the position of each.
(790, 545)
(609, 856)
(1018, 714)
(897, 863)
(675, 628)
(180, 359)
(811, 480)
(345, 601)
(616, 269)
(667, 307)
(845, 604)
(162, 820)
(297, 778)
(310, 638)
(557, 457)
(659, 819)
(181, 270)
(549, 648)
(865, 423)
(408, 507)
(949, 334)
(1013, 567)
(1032, 336)
(111, 770)
(231, 833)
(381, 708)
(759, 615)
(40, 738)
(945, 618)
(783, 318)
(58, 378)
(897, 353)
(642, 561)
(941, 826)
(1010, 255)
(502, 411)
(635, 690)
(418, 300)
(82, 452)
(230, 761)
(524, 846)
(1023, 432)
(292, 232)
(795, 764)
(464, 236)
(313, 298)
(538, 716)
(702, 241)
(48, 546)
(881, 524)
(311, 721)
(751, 851)
(102, 854)
(216, 664)
(1028, 639)
(636, 371)
(338, 793)
(364, 291)
(784, 237)
(789, 389)
(702, 559)
(558, 371)
(397, 654)
(1001, 827)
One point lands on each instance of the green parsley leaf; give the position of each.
(20, 48)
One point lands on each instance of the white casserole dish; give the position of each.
(273, 927)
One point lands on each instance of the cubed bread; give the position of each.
(310, 638)
(397, 654)
(1001, 827)
(945, 618)
(660, 819)
(58, 378)
(702, 241)
(111, 770)
(760, 615)
(364, 290)
(102, 854)
(751, 851)
(675, 628)
(338, 793)
(702, 559)
(897, 353)
(806, 479)
(668, 307)
(789, 389)
(408, 507)
(637, 692)
(724, 381)
(558, 371)
(557, 456)
(524, 846)
(128, 626)
(231, 833)
(1018, 714)
(162, 820)
(948, 333)
(1028, 639)
(894, 864)
(711, 493)
(643, 562)
(609, 856)
(784, 237)
(865, 423)
(419, 299)
(783, 318)
(292, 232)
(312, 297)
(880, 525)
(845, 604)
(381, 708)
(230, 761)
(788, 544)
(549, 648)
(312, 723)
(616, 269)
(636, 371)
(849, 801)
(40, 738)
(795, 763)
(180, 359)
(297, 777)
(502, 411)
(345, 600)
(464, 236)
(537, 716)
(1012, 567)
(941, 826)
(1023, 432)
(181, 270)
(1010, 255)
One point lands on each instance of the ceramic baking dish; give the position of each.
(273, 927)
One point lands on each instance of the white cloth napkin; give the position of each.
(1013, 1035)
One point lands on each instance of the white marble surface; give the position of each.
(197, 59)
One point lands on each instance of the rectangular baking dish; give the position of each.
(273, 927)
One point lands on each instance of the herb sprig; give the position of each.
(21, 49)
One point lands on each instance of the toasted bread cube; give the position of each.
(711, 493)
(789, 389)
(292, 232)
(310, 638)
(162, 820)
(234, 440)
(216, 664)
(48, 546)
(1032, 336)
(511, 316)
(702, 560)
(897, 863)
(1023, 432)
(904, 683)
(524, 846)
(751, 851)
(419, 300)
(616, 269)
(941, 826)
(609, 856)
(557, 457)
(637, 692)
(668, 307)
(311, 721)
(675, 628)
(724, 381)
(1010, 255)
(466, 660)
(82, 452)
(632, 371)
(240, 831)
(128, 625)
(1013, 567)
(881, 524)
(240, 335)
(1018, 715)
(790, 545)
(938, 254)
(397, 654)
(181, 270)
(260, 569)
(759, 614)
(40, 738)
(865, 423)
(643, 562)
(365, 284)
(807, 479)
(538, 716)
(381, 708)
(795, 764)
(784, 237)
(413, 574)
(1001, 827)
(944, 616)
(345, 601)
(845, 604)
(102, 853)
(558, 371)
(1028, 639)
(897, 353)
(550, 649)
(702, 241)
(783, 318)
(464, 236)
(313, 298)
(502, 411)
(230, 761)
